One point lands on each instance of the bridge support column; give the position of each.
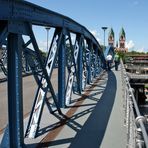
(96, 65)
(89, 64)
(80, 65)
(61, 73)
(103, 61)
(15, 99)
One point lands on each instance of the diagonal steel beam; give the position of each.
(3, 36)
(75, 52)
(73, 71)
(43, 88)
(35, 45)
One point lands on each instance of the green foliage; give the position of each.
(121, 55)
(103, 47)
(132, 53)
(136, 53)
(43, 54)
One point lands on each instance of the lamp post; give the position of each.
(47, 28)
(104, 29)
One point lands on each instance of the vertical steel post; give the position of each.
(80, 65)
(61, 73)
(26, 65)
(103, 62)
(95, 62)
(89, 63)
(15, 99)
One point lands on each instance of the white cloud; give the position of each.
(130, 45)
(142, 50)
(96, 35)
(43, 45)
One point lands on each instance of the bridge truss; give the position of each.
(82, 58)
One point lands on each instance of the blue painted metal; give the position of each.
(23, 15)
(85, 61)
(45, 70)
(94, 63)
(28, 12)
(43, 83)
(80, 63)
(72, 77)
(3, 61)
(89, 62)
(61, 74)
(3, 36)
(15, 102)
(5, 141)
(74, 67)
(3, 33)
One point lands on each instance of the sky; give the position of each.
(94, 14)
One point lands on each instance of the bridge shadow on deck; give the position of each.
(92, 132)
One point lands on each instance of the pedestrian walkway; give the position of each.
(115, 134)
(95, 119)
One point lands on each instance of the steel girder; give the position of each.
(3, 61)
(15, 101)
(44, 84)
(23, 11)
(16, 19)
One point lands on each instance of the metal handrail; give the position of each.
(140, 120)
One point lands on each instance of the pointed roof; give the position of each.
(111, 32)
(122, 32)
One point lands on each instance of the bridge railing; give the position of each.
(134, 121)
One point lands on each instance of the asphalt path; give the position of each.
(29, 88)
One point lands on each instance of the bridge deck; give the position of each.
(95, 119)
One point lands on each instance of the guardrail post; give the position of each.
(139, 137)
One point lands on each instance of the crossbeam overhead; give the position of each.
(25, 11)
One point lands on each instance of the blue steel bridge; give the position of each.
(76, 102)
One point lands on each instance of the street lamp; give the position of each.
(47, 28)
(104, 28)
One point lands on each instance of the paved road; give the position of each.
(94, 119)
(29, 87)
(29, 90)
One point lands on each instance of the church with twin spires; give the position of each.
(122, 38)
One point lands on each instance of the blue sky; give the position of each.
(93, 14)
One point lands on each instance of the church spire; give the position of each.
(122, 33)
(122, 39)
(111, 37)
(111, 33)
